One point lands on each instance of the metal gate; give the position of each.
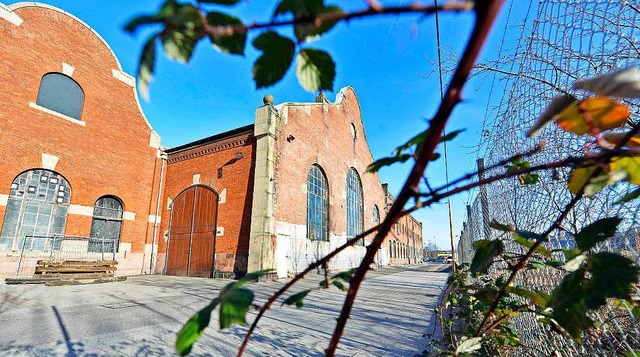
(192, 232)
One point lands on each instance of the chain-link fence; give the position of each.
(565, 40)
(62, 248)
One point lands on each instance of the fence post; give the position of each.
(24, 242)
(484, 201)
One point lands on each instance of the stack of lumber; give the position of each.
(67, 272)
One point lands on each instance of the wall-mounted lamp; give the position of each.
(290, 138)
(237, 156)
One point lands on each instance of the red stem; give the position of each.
(486, 13)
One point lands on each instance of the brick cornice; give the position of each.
(209, 148)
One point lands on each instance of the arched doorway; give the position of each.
(192, 232)
(36, 211)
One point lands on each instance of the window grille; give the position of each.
(354, 205)
(317, 205)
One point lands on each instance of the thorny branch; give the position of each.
(557, 224)
(486, 13)
(320, 19)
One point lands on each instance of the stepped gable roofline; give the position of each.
(247, 129)
(21, 5)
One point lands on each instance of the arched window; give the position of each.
(61, 94)
(36, 211)
(354, 205)
(317, 205)
(375, 215)
(106, 225)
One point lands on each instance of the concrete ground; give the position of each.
(140, 317)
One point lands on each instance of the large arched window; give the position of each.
(36, 211)
(317, 205)
(354, 205)
(61, 94)
(106, 225)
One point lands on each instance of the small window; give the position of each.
(106, 225)
(61, 94)
(375, 215)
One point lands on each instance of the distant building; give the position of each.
(84, 173)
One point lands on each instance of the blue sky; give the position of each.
(388, 60)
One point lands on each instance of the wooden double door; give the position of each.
(192, 233)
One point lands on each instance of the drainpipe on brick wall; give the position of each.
(163, 157)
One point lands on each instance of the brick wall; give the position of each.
(218, 167)
(323, 133)
(112, 153)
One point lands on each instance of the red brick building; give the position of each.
(66, 169)
(293, 186)
(275, 194)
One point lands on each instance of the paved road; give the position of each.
(140, 317)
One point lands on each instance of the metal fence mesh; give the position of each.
(566, 40)
(62, 248)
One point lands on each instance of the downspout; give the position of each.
(163, 157)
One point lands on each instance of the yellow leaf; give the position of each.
(579, 178)
(630, 165)
(602, 111)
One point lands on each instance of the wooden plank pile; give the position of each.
(70, 272)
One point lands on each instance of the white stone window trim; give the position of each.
(59, 115)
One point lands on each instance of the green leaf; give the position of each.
(629, 196)
(416, 140)
(224, 43)
(315, 69)
(308, 31)
(569, 308)
(531, 236)
(571, 253)
(136, 22)
(297, 299)
(387, 161)
(452, 135)
(276, 58)
(486, 251)
(554, 263)
(193, 329)
(575, 263)
(529, 179)
(528, 243)
(501, 227)
(581, 177)
(147, 67)
(469, 345)
(635, 353)
(299, 8)
(538, 297)
(611, 277)
(220, 2)
(435, 156)
(345, 275)
(178, 45)
(596, 232)
(339, 285)
(234, 307)
(253, 276)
